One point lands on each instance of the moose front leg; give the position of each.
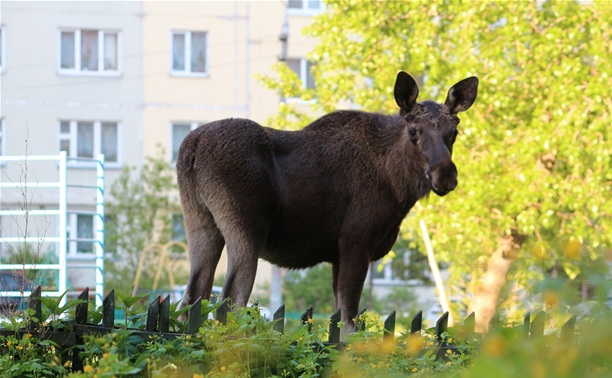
(348, 280)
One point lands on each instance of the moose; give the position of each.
(335, 191)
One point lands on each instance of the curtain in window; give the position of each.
(179, 132)
(198, 52)
(178, 52)
(89, 50)
(67, 50)
(110, 51)
(109, 141)
(85, 139)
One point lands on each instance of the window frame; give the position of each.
(2, 49)
(72, 137)
(78, 70)
(72, 230)
(305, 10)
(303, 75)
(2, 140)
(187, 54)
(193, 126)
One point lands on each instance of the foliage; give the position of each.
(139, 214)
(534, 151)
(248, 345)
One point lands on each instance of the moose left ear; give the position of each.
(462, 95)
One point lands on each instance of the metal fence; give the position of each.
(157, 323)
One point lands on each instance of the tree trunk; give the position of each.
(493, 280)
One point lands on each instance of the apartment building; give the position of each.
(121, 78)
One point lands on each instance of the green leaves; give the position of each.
(534, 152)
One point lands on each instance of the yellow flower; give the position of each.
(19, 347)
(415, 369)
(28, 336)
(197, 376)
(88, 368)
(494, 346)
(105, 355)
(9, 343)
(310, 320)
(414, 345)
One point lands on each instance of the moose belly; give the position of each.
(301, 249)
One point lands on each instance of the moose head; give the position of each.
(432, 127)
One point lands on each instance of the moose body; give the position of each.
(336, 191)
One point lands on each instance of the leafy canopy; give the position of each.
(533, 152)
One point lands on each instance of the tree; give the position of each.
(139, 214)
(533, 152)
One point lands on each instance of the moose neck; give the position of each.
(405, 165)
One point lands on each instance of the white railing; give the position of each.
(61, 239)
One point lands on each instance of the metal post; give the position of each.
(100, 231)
(63, 218)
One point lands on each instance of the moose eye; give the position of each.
(412, 132)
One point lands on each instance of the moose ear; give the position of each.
(462, 95)
(406, 91)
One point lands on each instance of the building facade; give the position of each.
(126, 78)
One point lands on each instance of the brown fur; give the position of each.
(336, 191)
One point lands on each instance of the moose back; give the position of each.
(333, 192)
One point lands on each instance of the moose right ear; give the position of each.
(406, 91)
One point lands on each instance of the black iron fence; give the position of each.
(157, 323)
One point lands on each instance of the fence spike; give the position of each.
(389, 332)
(80, 314)
(526, 324)
(334, 330)
(35, 305)
(279, 319)
(417, 322)
(164, 314)
(195, 317)
(441, 327)
(153, 315)
(306, 318)
(221, 313)
(567, 331)
(360, 324)
(108, 310)
(537, 326)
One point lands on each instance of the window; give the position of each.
(81, 234)
(178, 132)
(189, 53)
(407, 266)
(87, 139)
(305, 6)
(89, 51)
(303, 68)
(2, 49)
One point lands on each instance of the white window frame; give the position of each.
(3, 48)
(71, 136)
(303, 75)
(305, 10)
(77, 70)
(2, 140)
(187, 71)
(72, 230)
(193, 125)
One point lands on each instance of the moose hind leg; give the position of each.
(242, 258)
(205, 246)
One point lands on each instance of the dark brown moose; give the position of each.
(333, 192)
